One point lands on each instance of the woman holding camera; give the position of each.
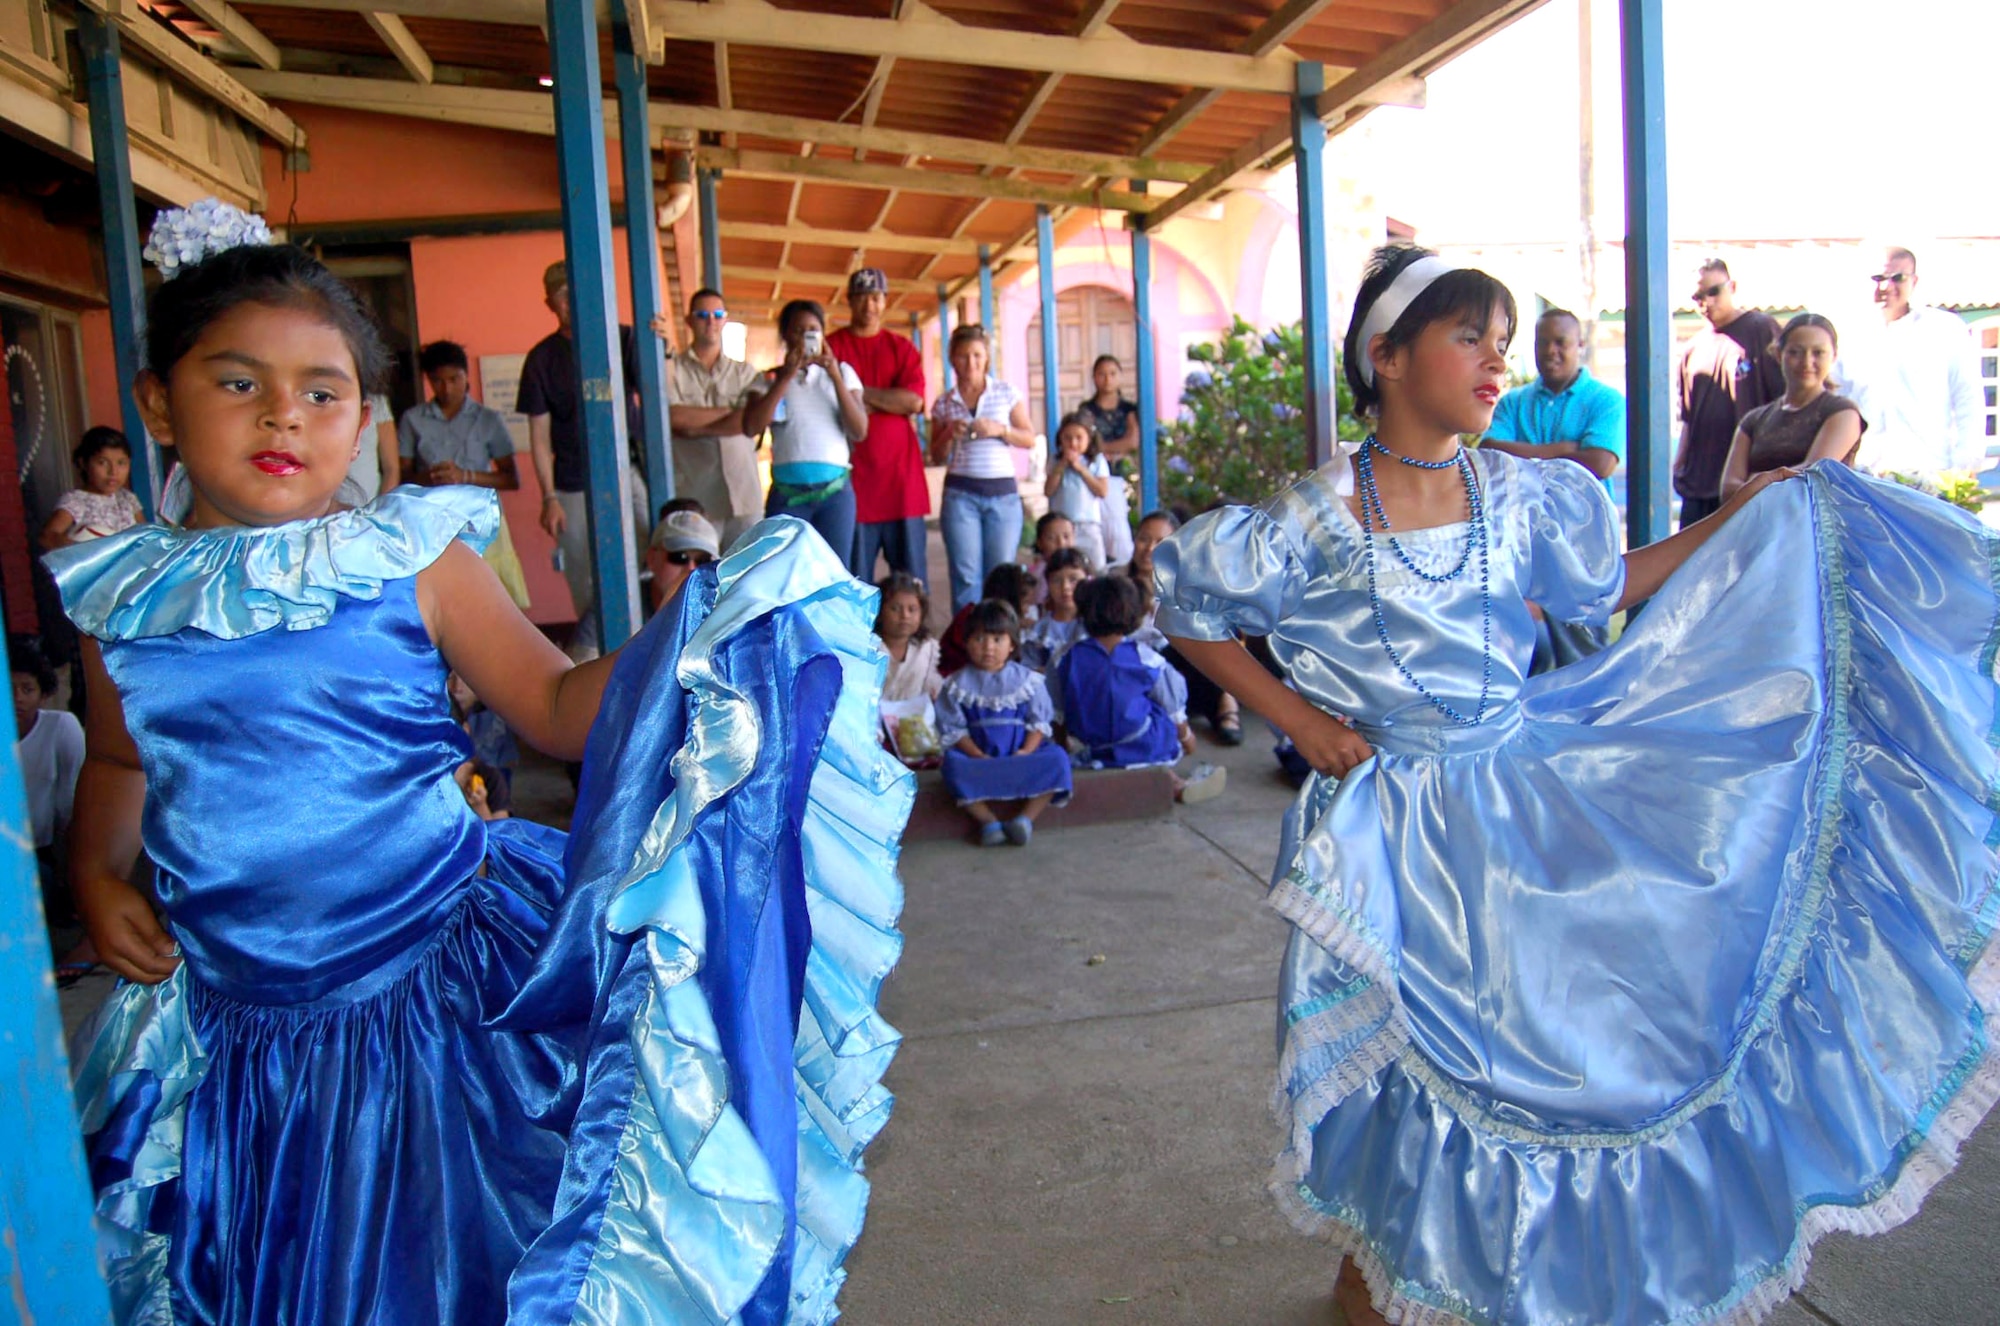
(974, 427)
(812, 405)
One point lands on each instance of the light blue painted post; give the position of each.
(642, 248)
(1045, 258)
(944, 338)
(586, 194)
(1146, 393)
(1309, 155)
(986, 317)
(48, 1250)
(110, 152)
(705, 182)
(1649, 333)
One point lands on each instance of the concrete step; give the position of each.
(1102, 796)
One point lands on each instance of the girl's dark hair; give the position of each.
(1102, 360)
(274, 275)
(992, 616)
(1173, 521)
(902, 582)
(25, 656)
(1466, 296)
(1095, 444)
(970, 331)
(1046, 520)
(1065, 559)
(789, 312)
(1819, 320)
(1010, 581)
(1110, 605)
(98, 439)
(497, 796)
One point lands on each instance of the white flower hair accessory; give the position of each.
(184, 236)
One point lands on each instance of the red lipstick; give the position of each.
(279, 463)
(1488, 393)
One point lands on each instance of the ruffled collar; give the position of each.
(157, 579)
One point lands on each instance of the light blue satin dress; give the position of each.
(417, 1069)
(1603, 1009)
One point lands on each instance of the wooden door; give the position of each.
(1091, 320)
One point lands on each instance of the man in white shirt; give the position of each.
(714, 463)
(1917, 383)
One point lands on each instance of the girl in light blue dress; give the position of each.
(388, 1064)
(1610, 991)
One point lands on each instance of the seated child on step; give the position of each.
(995, 720)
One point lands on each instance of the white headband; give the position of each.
(1402, 292)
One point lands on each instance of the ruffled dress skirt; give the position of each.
(628, 1080)
(1603, 1011)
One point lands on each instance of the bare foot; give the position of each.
(1350, 1291)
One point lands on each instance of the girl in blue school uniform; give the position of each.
(384, 1062)
(996, 722)
(1611, 990)
(1119, 701)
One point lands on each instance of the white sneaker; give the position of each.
(1203, 783)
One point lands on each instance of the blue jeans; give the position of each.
(832, 516)
(979, 534)
(902, 543)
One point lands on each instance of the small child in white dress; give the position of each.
(908, 720)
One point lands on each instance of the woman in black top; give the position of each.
(1810, 422)
(1115, 418)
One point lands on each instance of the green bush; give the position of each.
(1241, 432)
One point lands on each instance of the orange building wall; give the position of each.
(103, 394)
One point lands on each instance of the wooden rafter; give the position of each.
(795, 276)
(725, 94)
(885, 240)
(777, 165)
(1272, 33)
(530, 112)
(409, 52)
(238, 29)
(164, 47)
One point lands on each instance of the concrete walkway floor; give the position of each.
(1082, 1132)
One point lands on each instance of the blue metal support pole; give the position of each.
(642, 247)
(1316, 300)
(110, 154)
(1145, 391)
(944, 338)
(705, 183)
(1649, 333)
(986, 294)
(593, 307)
(1045, 258)
(48, 1257)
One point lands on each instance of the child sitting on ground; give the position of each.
(485, 790)
(1058, 627)
(1053, 532)
(105, 504)
(1122, 706)
(1012, 584)
(493, 742)
(995, 719)
(908, 720)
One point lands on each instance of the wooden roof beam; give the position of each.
(888, 241)
(1095, 17)
(409, 52)
(1393, 77)
(925, 34)
(530, 112)
(164, 47)
(794, 276)
(225, 20)
(1272, 33)
(777, 165)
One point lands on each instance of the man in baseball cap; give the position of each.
(682, 543)
(891, 498)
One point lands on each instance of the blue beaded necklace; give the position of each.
(1373, 514)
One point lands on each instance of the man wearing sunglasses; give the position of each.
(714, 463)
(682, 543)
(1727, 370)
(1917, 382)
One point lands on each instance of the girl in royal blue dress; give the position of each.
(1119, 701)
(386, 1063)
(1609, 990)
(996, 722)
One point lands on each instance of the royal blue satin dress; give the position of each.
(417, 1069)
(1603, 1009)
(1123, 706)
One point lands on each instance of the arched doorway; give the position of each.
(1091, 320)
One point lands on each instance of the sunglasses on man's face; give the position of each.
(709, 315)
(1890, 278)
(684, 558)
(1710, 292)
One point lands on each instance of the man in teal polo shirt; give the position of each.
(1566, 414)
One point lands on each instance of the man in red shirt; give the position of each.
(891, 498)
